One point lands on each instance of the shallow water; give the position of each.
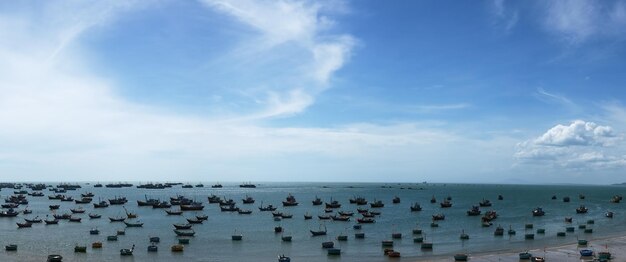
(212, 241)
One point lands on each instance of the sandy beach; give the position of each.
(616, 245)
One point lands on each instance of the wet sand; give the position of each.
(616, 245)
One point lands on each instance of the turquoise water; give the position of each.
(213, 238)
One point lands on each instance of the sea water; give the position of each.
(212, 241)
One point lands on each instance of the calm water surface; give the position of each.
(213, 238)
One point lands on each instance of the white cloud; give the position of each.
(505, 17)
(577, 21)
(298, 26)
(579, 145)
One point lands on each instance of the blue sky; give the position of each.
(410, 91)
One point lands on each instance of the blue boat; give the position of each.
(586, 253)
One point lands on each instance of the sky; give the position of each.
(490, 91)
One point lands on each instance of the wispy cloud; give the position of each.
(299, 26)
(505, 16)
(546, 96)
(437, 108)
(577, 21)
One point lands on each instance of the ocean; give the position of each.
(212, 241)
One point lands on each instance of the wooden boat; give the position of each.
(609, 214)
(11, 247)
(137, 224)
(439, 217)
(290, 201)
(581, 209)
(79, 210)
(566, 199)
(80, 249)
(121, 232)
(230, 208)
(365, 220)
(283, 258)
(162, 204)
(174, 212)
(525, 255)
(463, 236)
(155, 239)
(606, 255)
(460, 257)
(182, 226)
(500, 197)
(183, 241)
(359, 235)
(333, 204)
(25, 224)
(307, 216)
(213, 199)
(328, 244)
(54, 258)
(319, 232)
(153, 248)
(117, 219)
(237, 237)
(512, 232)
(553, 197)
(317, 201)
(51, 222)
(537, 212)
(446, 203)
(126, 251)
(568, 220)
(499, 231)
(286, 238)
(101, 204)
(340, 218)
(416, 207)
(334, 252)
(8, 213)
(194, 221)
(586, 253)
(323, 217)
(54, 207)
(377, 204)
(396, 200)
(177, 248)
(111, 238)
(195, 206)
(248, 200)
(93, 216)
(186, 233)
(34, 220)
(129, 214)
(94, 231)
(396, 235)
(484, 203)
(75, 219)
(96, 245)
(267, 208)
(582, 242)
(346, 213)
(216, 186)
(474, 211)
(84, 200)
(202, 217)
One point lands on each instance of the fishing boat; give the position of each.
(23, 225)
(11, 247)
(136, 224)
(161, 204)
(581, 209)
(365, 220)
(566, 199)
(319, 232)
(33, 220)
(333, 204)
(231, 208)
(512, 231)
(174, 212)
(54, 258)
(186, 233)
(75, 219)
(334, 252)
(182, 226)
(118, 201)
(609, 214)
(195, 206)
(525, 255)
(177, 248)
(129, 214)
(155, 239)
(236, 236)
(484, 203)
(433, 200)
(117, 219)
(439, 217)
(396, 200)
(202, 217)
(537, 212)
(93, 216)
(54, 207)
(346, 213)
(460, 257)
(463, 235)
(317, 201)
(51, 222)
(586, 253)
(553, 197)
(218, 185)
(248, 200)
(499, 231)
(153, 248)
(283, 258)
(500, 197)
(194, 221)
(101, 204)
(80, 249)
(96, 245)
(78, 210)
(307, 216)
(474, 211)
(328, 244)
(568, 219)
(290, 201)
(247, 185)
(267, 208)
(446, 203)
(416, 207)
(94, 231)
(340, 218)
(377, 204)
(126, 251)
(8, 213)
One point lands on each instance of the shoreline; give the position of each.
(569, 252)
